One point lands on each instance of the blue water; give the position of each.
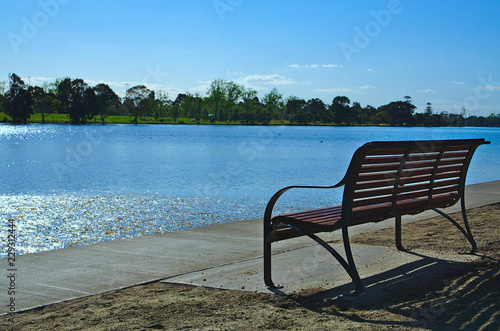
(225, 161)
(73, 185)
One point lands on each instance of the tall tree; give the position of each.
(318, 110)
(341, 110)
(64, 93)
(18, 100)
(248, 106)
(90, 103)
(2, 87)
(41, 101)
(369, 113)
(2, 92)
(198, 106)
(400, 112)
(79, 102)
(273, 102)
(162, 104)
(217, 96)
(140, 96)
(233, 93)
(428, 109)
(295, 110)
(357, 112)
(107, 100)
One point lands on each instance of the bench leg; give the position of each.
(399, 246)
(469, 232)
(466, 232)
(350, 267)
(267, 265)
(347, 265)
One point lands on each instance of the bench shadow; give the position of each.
(429, 293)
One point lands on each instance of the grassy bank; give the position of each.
(64, 119)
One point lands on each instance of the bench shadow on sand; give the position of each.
(430, 293)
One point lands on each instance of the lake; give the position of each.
(72, 185)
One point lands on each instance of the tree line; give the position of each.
(224, 101)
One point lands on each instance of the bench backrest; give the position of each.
(387, 179)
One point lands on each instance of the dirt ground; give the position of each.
(460, 299)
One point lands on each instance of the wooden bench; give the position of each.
(383, 180)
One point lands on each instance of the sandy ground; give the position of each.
(464, 298)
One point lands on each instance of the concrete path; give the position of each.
(223, 256)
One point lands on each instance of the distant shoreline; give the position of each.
(64, 120)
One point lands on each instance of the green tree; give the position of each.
(139, 96)
(428, 109)
(163, 104)
(341, 110)
(175, 111)
(197, 106)
(41, 101)
(295, 110)
(2, 87)
(273, 103)
(248, 106)
(400, 112)
(18, 100)
(79, 101)
(233, 93)
(107, 100)
(2, 92)
(90, 103)
(318, 110)
(64, 93)
(369, 113)
(381, 117)
(217, 96)
(187, 105)
(357, 113)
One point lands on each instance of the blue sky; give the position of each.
(373, 52)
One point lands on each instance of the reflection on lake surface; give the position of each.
(69, 185)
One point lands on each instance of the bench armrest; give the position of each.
(270, 205)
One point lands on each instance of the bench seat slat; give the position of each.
(374, 184)
(399, 158)
(402, 189)
(423, 193)
(426, 178)
(314, 212)
(379, 168)
(431, 164)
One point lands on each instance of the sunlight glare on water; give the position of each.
(73, 185)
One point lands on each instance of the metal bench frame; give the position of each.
(384, 180)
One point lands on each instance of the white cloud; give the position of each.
(429, 90)
(367, 87)
(118, 87)
(370, 70)
(38, 81)
(259, 82)
(333, 90)
(316, 66)
(491, 88)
